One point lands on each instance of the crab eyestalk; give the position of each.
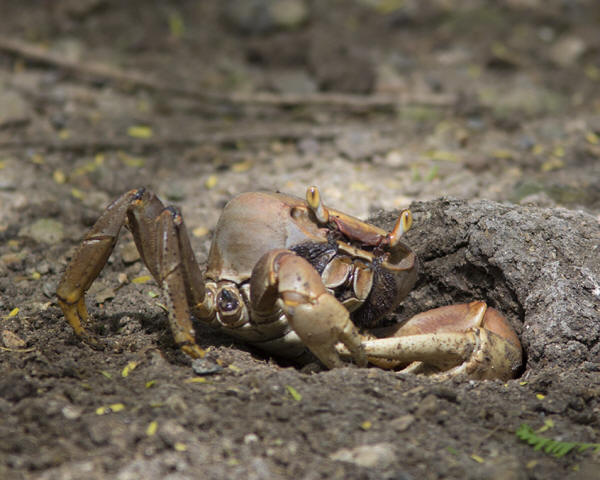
(402, 226)
(313, 200)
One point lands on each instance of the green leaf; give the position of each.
(552, 447)
(176, 25)
(139, 131)
(294, 393)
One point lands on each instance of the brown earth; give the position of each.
(494, 106)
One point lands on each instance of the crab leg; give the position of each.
(88, 261)
(469, 339)
(163, 243)
(440, 349)
(283, 279)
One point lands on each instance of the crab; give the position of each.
(296, 279)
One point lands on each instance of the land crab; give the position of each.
(294, 278)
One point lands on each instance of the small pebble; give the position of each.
(44, 230)
(71, 412)
(309, 146)
(293, 81)
(129, 253)
(176, 404)
(264, 16)
(250, 438)
(104, 294)
(43, 267)
(201, 415)
(203, 366)
(12, 340)
(380, 455)
(428, 406)
(567, 50)
(13, 109)
(402, 423)
(49, 288)
(172, 433)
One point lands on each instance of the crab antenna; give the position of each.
(402, 226)
(313, 199)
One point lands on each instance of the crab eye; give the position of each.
(313, 200)
(402, 226)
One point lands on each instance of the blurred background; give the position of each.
(379, 102)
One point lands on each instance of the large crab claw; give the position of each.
(283, 279)
(469, 340)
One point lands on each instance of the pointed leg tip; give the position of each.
(193, 351)
(93, 341)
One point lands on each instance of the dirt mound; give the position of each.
(541, 267)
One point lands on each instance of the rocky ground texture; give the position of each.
(484, 118)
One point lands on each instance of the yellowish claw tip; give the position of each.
(194, 351)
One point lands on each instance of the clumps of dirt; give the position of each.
(140, 411)
(540, 267)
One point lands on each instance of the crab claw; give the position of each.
(402, 226)
(469, 340)
(313, 200)
(283, 280)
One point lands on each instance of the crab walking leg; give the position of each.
(163, 243)
(88, 261)
(283, 279)
(469, 339)
(161, 237)
(441, 350)
(173, 274)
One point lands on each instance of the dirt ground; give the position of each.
(383, 104)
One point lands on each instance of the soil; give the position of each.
(483, 117)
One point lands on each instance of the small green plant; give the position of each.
(552, 447)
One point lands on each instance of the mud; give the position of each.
(484, 119)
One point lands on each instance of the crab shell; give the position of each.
(255, 223)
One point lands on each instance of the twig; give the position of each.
(100, 71)
(356, 102)
(264, 133)
(18, 350)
